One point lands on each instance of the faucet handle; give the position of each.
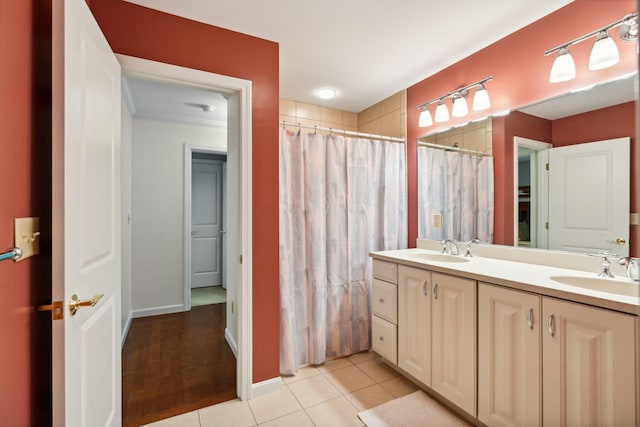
(605, 263)
(469, 254)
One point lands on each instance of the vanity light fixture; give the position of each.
(603, 54)
(459, 108)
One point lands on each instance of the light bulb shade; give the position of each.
(563, 68)
(481, 99)
(459, 108)
(442, 113)
(425, 119)
(604, 53)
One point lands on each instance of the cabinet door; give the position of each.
(414, 323)
(588, 365)
(509, 371)
(453, 369)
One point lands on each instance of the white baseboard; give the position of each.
(266, 387)
(232, 342)
(125, 329)
(154, 311)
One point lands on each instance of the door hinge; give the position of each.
(546, 225)
(240, 259)
(546, 166)
(56, 308)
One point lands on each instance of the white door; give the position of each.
(589, 197)
(206, 224)
(89, 223)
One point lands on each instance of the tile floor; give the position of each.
(329, 395)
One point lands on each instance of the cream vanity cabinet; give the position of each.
(578, 359)
(384, 307)
(588, 365)
(509, 369)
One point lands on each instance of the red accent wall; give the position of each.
(145, 33)
(520, 72)
(25, 141)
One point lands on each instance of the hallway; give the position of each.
(176, 363)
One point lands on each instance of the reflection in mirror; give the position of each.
(589, 193)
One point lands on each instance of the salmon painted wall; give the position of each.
(25, 140)
(520, 72)
(145, 33)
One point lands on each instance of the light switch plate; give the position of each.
(27, 236)
(437, 221)
(634, 219)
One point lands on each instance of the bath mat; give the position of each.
(413, 410)
(208, 295)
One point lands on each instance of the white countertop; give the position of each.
(523, 276)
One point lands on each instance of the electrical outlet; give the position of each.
(27, 236)
(634, 218)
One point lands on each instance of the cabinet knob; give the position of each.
(381, 338)
(381, 299)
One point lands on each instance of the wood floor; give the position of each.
(176, 363)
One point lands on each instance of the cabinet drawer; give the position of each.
(387, 271)
(384, 339)
(384, 300)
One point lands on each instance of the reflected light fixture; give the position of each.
(603, 54)
(459, 108)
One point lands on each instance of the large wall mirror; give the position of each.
(586, 174)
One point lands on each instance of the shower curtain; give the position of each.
(340, 198)
(459, 188)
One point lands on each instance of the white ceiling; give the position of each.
(366, 49)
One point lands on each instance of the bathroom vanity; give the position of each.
(510, 337)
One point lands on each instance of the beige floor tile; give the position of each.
(378, 370)
(235, 413)
(332, 365)
(190, 419)
(314, 390)
(306, 372)
(274, 405)
(369, 397)
(349, 379)
(338, 412)
(399, 386)
(297, 419)
(363, 357)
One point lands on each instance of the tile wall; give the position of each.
(474, 136)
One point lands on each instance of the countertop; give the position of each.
(523, 276)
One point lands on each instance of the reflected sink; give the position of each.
(440, 257)
(613, 286)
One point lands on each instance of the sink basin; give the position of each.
(613, 286)
(440, 257)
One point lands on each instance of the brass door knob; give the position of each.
(620, 241)
(76, 303)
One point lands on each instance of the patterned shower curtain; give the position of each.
(459, 188)
(340, 198)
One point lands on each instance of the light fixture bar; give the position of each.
(457, 91)
(626, 18)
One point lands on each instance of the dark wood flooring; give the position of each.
(176, 363)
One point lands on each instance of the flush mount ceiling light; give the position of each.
(459, 108)
(603, 54)
(326, 93)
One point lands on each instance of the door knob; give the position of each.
(76, 303)
(620, 241)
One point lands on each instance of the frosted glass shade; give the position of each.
(425, 119)
(442, 113)
(563, 68)
(459, 108)
(481, 99)
(604, 53)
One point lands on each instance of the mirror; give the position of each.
(530, 196)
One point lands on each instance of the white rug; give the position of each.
(413, 410)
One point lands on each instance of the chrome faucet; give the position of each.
(605, 263)
(633, 267)
(476, 241)
(452, 245)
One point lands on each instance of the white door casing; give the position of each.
(589, 197)
(86, 218)
(206, 223)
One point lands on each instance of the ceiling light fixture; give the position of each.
(603, 54)
(326, 93)
(459, 108)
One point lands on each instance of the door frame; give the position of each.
(189, 150)
(241, 90)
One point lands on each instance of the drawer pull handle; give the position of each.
(424, 288)
(552, 326)
(530, 318)
(435, 291)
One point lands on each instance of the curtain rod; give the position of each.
(345, 132)
(453, 148)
